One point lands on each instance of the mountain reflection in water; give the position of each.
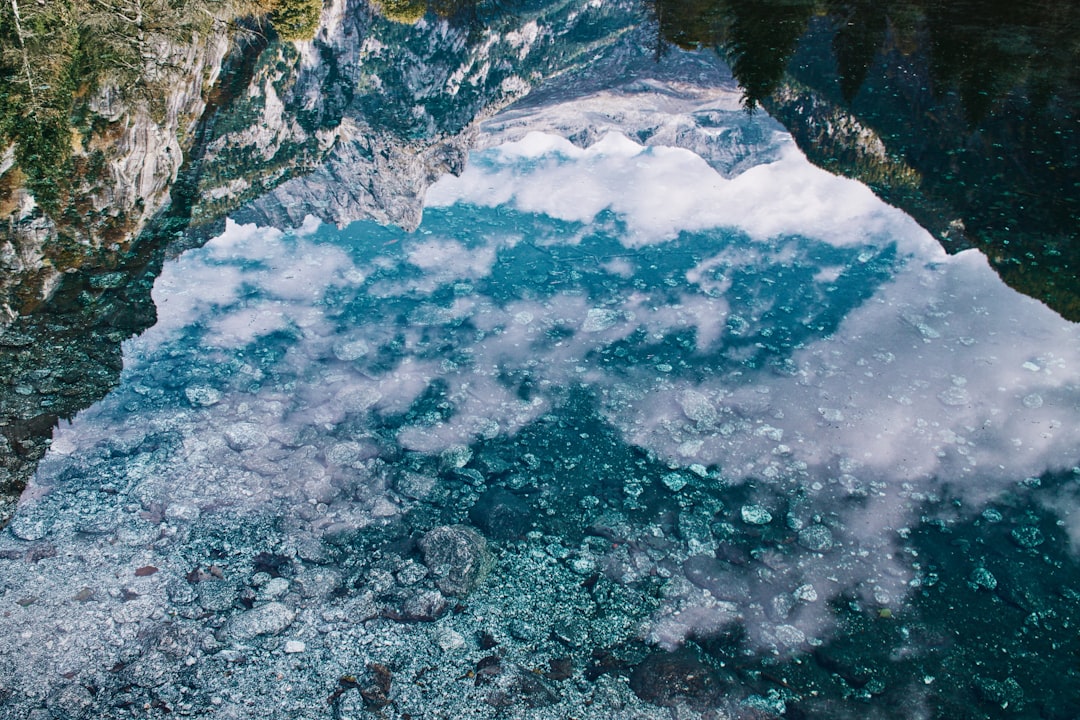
(663, 420)
(964, 114)
(763, 418)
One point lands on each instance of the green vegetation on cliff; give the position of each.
(55, 57)
(406, 12)
(295, 20)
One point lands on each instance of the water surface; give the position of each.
(739, 440)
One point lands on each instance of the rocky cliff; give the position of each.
(353, 124)
(74, 280)
(125, 157)
(356, 124)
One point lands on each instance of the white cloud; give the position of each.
(659, 192)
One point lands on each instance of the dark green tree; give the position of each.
(296, 20)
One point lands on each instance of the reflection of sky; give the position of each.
(782, 326)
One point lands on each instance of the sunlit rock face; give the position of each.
(359, 122)
(662, 426)
(119, 177)
(74, 283)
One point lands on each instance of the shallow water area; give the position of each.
(619, 431)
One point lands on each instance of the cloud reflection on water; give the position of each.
(782, 328)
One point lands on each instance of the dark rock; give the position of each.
(40, 551)
(515, 685)
(603, 663)
(561, 669)
(414, 605)
(375, 689)
(501, 514)
(733, 554)
(457, 556)
(1004, 694)
(487, 668)
(844, 657)
(668, 679)
(271, 564)
(721, 579)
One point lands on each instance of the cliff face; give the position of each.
(124, 158)
(354, 124)
(357, 123)
(74, 281)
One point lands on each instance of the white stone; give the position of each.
(599, 319)
(674, 481)
(450, 640)
(755, 515)
(202, 396)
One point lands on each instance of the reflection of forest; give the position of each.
(983, 50)
(965, 114)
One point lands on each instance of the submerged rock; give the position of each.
(269, 619)
(513, 685)
(669, 679)
(1004, 694)
(1027, 537)
(720, 578)
(457, 556)
(501, 514)
(755, 515)
(416, 605)
(816, 538)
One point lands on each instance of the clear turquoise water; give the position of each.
(763, 417)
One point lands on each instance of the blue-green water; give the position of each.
(752, 446)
